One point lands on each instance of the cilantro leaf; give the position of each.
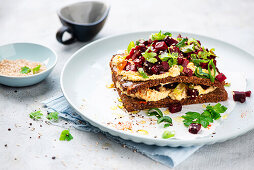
(36, 115)
(155, 112)
(65, 135)
(142, 73)
(25, 70)
(172, 61)
(158, 36)
(36, 69)
(182, 43)
(53, 116)
(168, 134)
(149, 56)
(130, 46)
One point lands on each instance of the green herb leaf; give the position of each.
(182, 43)
(168, 134)
(155, 112)
(36, 69)
(168, 34)
(158, 36)
(200, 73)
(53, 116)
(212, 77)
(172, 61)
(211, 113)
(164, 119)
(137, 43)
(130, 46)
(142, 73)
(167, 125)
(149, 56)
(198, 61)
(25, 70)
(65, 135)
(36, 115)
(188, 48)
(227, 85)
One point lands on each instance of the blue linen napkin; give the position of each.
(169, 156)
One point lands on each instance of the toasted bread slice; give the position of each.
(134, 104)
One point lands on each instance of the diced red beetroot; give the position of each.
(199, 42)
(138, 62)
(165, 66)
(221, 77)
(128, 57)
(161, 46)
(141, 47)
(130, 67)
(136, 55)
(194, 128)
(180, 60)
(192, 93)
(185, 62)
(248, 93)
(174, 49)
(142, 59)
(169, 41)
(211, 57)
(155, 69)
(187, 71)
(132, 51)
(204, 65)
(176, 107)
(239, 96)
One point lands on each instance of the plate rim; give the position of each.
(152, 141)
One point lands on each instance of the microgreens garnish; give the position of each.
(149, 56)
(158, 36)
(142, 73)
(25, 70)
(53, 116)
(130, 46)
(211, 113)
(182, 43)
(65, 135)
(36, 69)
(36, 115)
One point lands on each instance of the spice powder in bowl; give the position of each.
(20, 68)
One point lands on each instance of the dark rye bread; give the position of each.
(133, 86)
(135, 104)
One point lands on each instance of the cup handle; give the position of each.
(61, 31)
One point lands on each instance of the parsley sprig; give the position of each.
(36, 115)
(211, 113)
(65, 135)
(53, 116)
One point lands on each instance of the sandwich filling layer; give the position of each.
(175, 91)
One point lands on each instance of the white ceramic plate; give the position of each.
(86, 74)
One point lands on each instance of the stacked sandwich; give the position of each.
(164, 71)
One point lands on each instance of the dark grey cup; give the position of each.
(83, 20)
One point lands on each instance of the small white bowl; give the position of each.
(31, 52)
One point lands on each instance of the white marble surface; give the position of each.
(36, 21)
